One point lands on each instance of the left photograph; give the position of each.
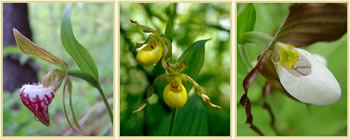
(57, 69)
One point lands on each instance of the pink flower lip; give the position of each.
(37, 99)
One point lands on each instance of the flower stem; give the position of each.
(244, 55)
(106, 103)
(172, 122)
(257, 38)
(252, 37)
(94, 83)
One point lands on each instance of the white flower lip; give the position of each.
(37, 98)
(310, 81)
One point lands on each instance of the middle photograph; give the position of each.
(175, 69)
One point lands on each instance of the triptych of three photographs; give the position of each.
(174, 69)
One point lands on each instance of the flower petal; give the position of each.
(37, 98)
(310, 81)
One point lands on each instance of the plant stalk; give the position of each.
(92, 81)
(244, 55)
(172, 122)
(252, 37)
(105, 101)
(257, 38)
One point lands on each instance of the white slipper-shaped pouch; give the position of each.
(310, 81)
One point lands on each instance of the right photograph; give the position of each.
(291, 69)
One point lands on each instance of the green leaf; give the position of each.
(194, 58)
(308, 23)
(84, 76)
(78, 52)
(245, 21)
(169, 29)
(192, 119)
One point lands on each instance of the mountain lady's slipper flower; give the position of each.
(174, 93)
(151, 53)
(155, 47)
(309, 80)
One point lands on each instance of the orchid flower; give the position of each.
(288, 69)
(301, 75)
(309, 81)
(38, 97)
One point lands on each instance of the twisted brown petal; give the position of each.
(266, 91)
(248, 81)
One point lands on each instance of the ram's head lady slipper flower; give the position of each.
(37, 97)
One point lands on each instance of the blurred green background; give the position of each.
(292, 117)
(93, 27)
(192, 22)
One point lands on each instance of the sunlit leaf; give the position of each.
(245, 21)
(169, 29)
(78, 52)
(194, 58)
(84, 76)
(192, 119)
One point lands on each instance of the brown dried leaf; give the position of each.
(308, 23)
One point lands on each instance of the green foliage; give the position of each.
(78, 52)
(292, 117)
(169, 30)
(245, 21)
(192, 118)
(194, 57)
(84, 76)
